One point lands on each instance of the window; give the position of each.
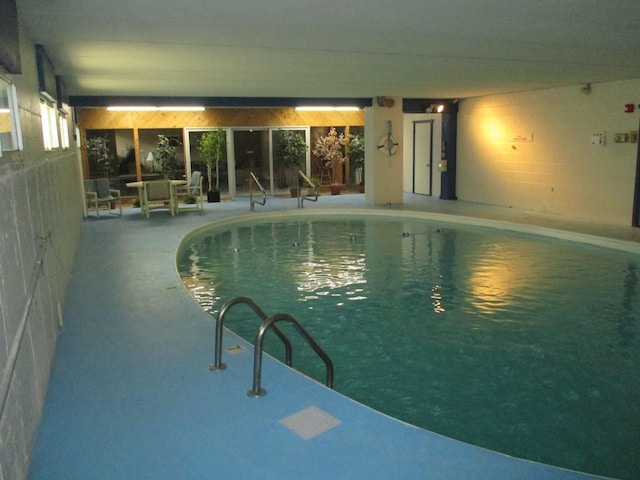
(49, 115)
(64, 131)
(10, 133)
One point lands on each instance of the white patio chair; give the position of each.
(158, 194)
(99, 195)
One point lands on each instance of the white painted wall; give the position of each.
(40, 197)
(559, 172)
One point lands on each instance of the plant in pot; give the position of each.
(289, 153)
(356, 157)
(99, 155)
(165, 156)
(329, 149)
(210, 147)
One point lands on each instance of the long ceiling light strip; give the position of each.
(320, 108)
(143, 108)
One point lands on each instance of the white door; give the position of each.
(422, 156)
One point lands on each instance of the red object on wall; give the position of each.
(629, 108)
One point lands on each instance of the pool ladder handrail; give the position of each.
(256, 390)
(253, 179)
(313, 197)
(267, 323)
(217, 362)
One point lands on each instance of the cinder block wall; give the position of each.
(40, 207)
(533, 151)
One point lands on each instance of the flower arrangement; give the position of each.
(329, 148)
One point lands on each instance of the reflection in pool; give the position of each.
(521, 344)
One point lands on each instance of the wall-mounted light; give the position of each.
(148, 108)
(435, 108)
(320, 108)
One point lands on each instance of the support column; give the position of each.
(383, 171)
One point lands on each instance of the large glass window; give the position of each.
(120, 167)
(251, 154)
(150, 162)
(285, 175)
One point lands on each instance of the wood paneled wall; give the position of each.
(100, 118)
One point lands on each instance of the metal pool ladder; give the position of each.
(312, 189)
(253, 202)
(267, 323)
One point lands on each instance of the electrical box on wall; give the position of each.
(598, 139)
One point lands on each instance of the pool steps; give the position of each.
(268, 322)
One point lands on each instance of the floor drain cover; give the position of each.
(310, 422)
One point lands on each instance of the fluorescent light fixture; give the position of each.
(181, 109)
(143, 108)
(321, 108)
(131, 109)
(5, 110)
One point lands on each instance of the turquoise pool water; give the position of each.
(522, 344)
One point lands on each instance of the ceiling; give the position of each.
(332, 48)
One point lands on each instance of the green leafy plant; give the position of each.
(166, 157)
(356, 154)
(99, 155)
(289, 152)
(210, 147)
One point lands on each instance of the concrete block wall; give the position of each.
(533, 151)
(41, 207)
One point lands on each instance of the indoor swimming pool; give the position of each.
(523, 344)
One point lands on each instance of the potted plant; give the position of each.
(356, 157)
(210, 147)
(329, 149)
(289, 152)
(166, 157)
(99, 155)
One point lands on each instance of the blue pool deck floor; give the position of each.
(131, 395)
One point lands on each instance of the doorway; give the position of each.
(251, 155)
(422, 157)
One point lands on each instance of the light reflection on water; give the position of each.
(521, 345)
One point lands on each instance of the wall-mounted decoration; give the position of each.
(62, 96)
(46, 76)
(522, 138)
(386, 102)
(388, 143)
